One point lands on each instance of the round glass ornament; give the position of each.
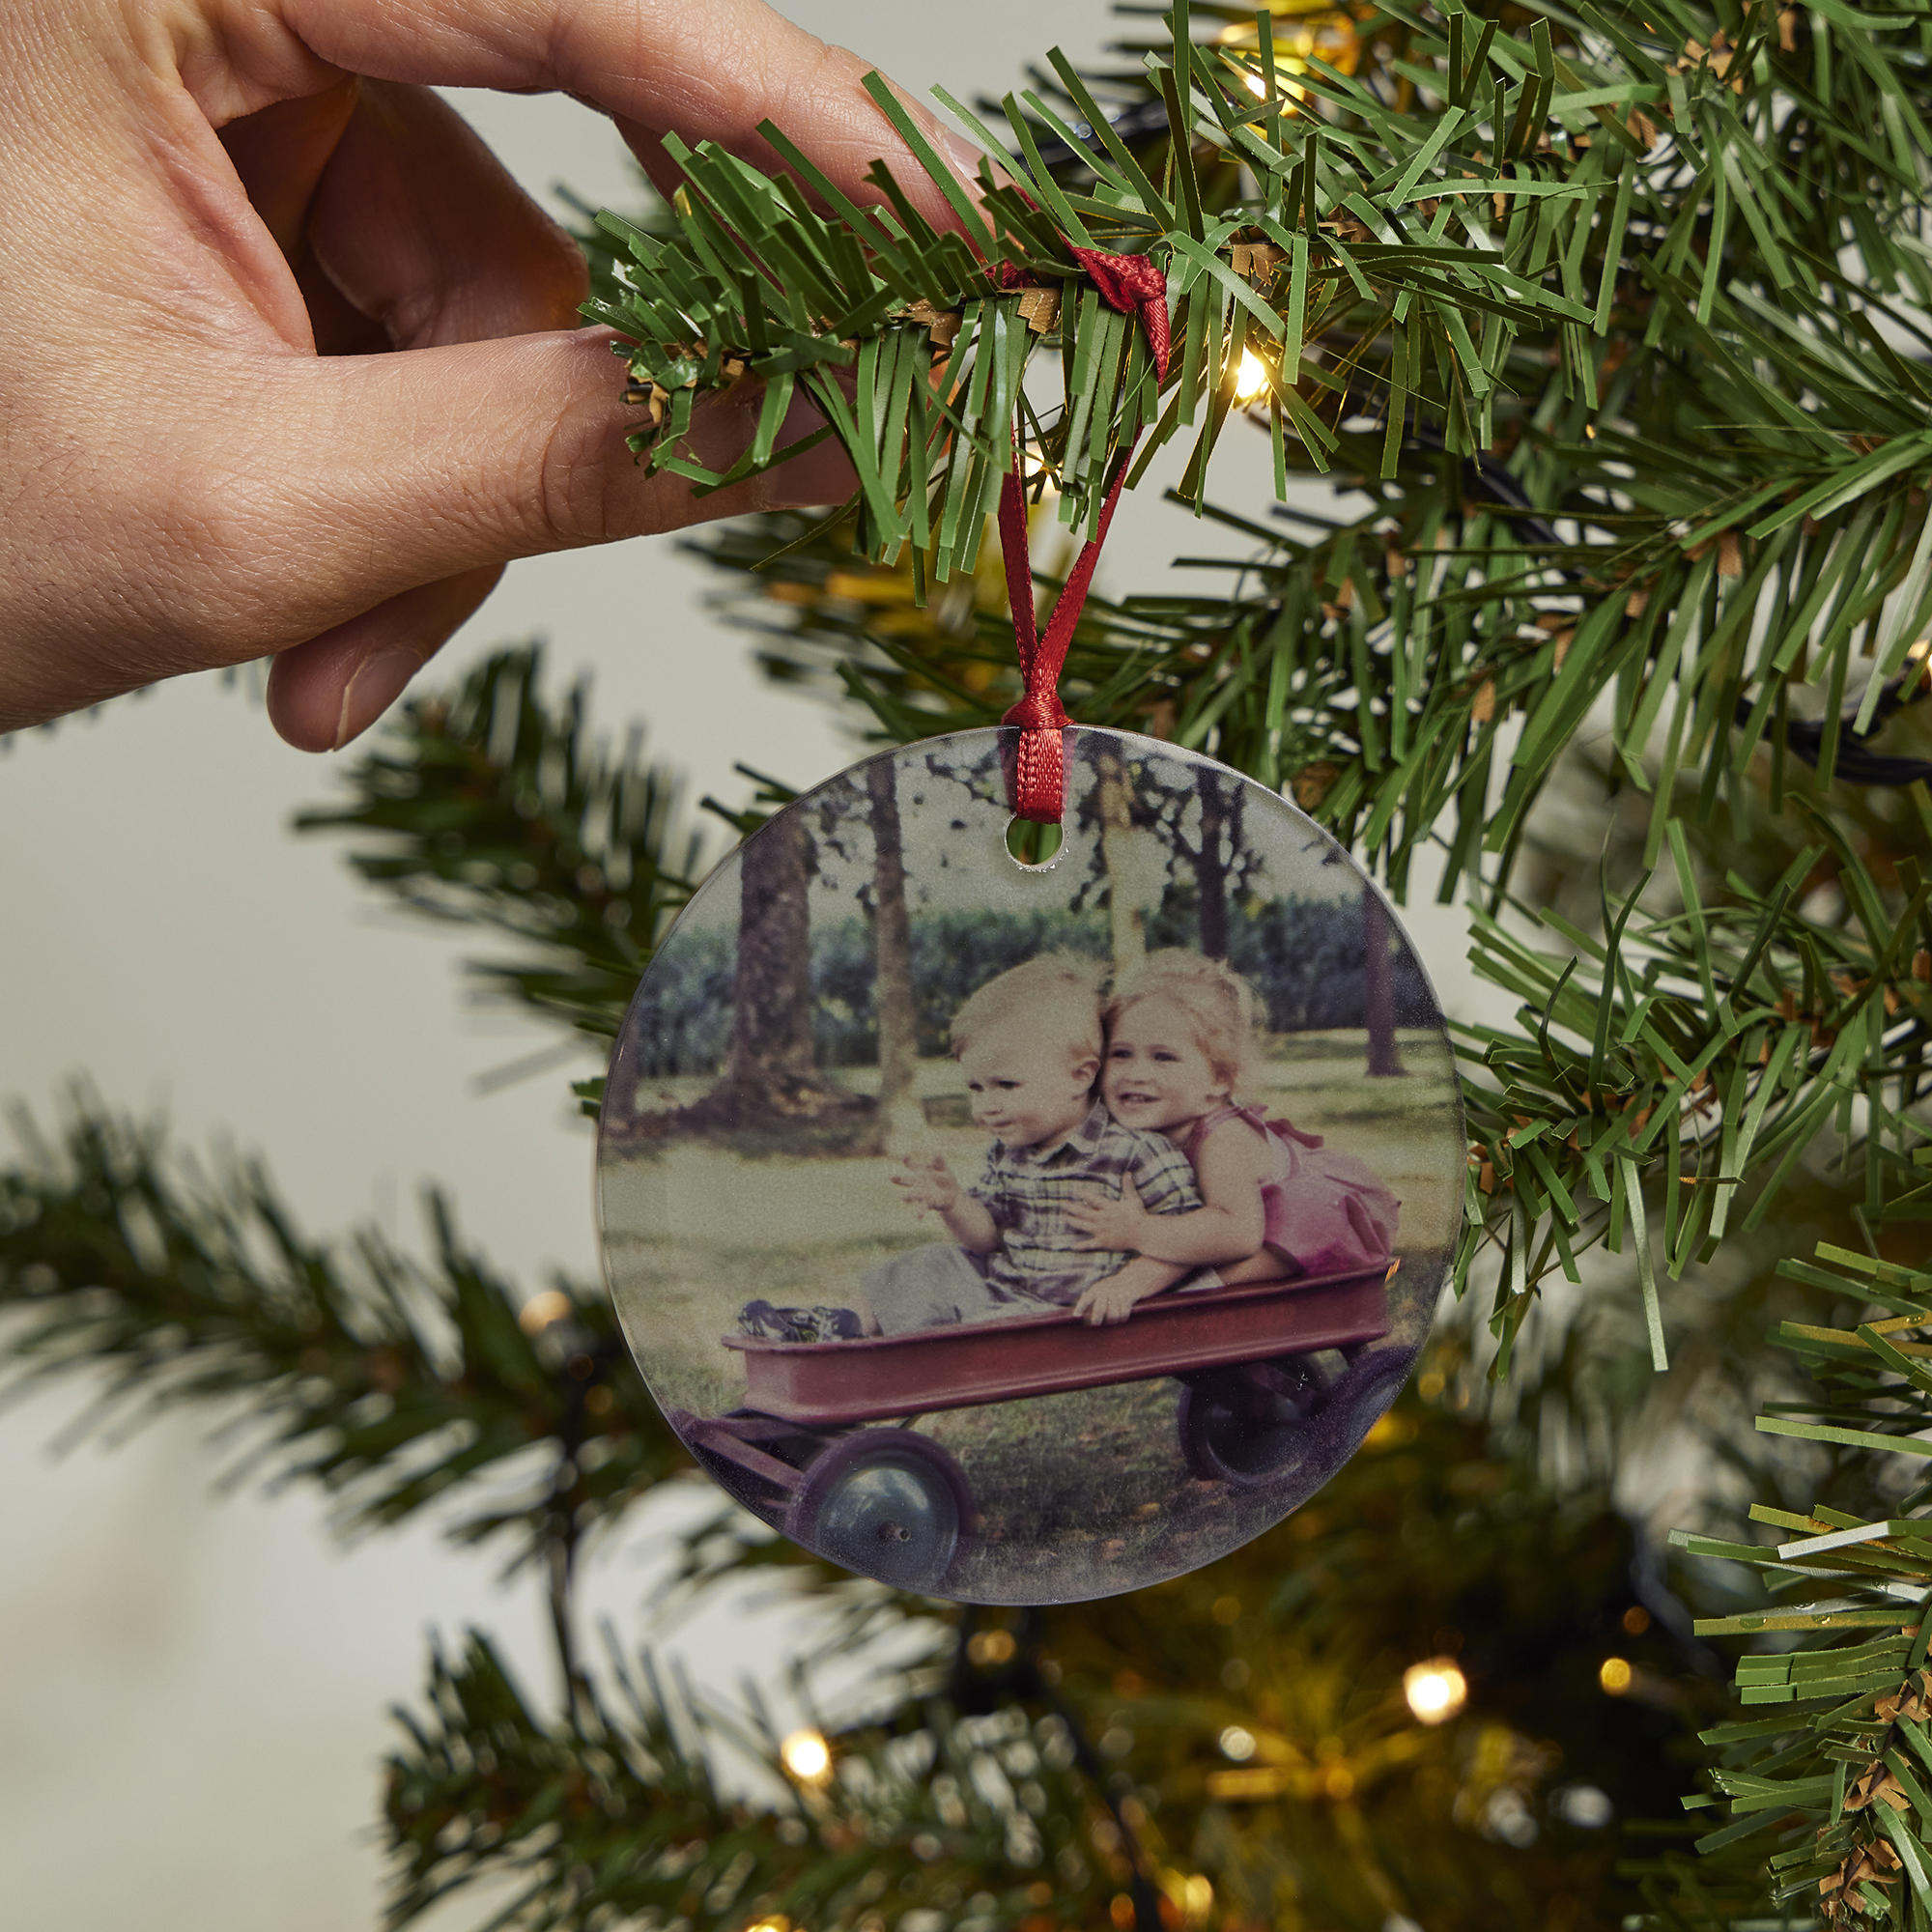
(1023, 1234)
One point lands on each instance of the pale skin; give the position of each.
(1026, 1099)
(1158, 1076)
(291, 367)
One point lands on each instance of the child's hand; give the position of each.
(927, 1184)
(1117, 1225)
(1115, 1298)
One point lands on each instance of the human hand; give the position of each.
(290, 360)
(1114, 1298)
(1106, 1223)
(928, 1183)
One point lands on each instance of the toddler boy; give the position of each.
(1030, 1044)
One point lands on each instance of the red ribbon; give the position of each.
(1037, 777)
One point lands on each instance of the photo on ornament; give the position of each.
(1026, 1235)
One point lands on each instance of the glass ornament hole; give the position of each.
(1033, 847)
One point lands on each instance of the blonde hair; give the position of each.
(1224, 1010)
(1055, 996)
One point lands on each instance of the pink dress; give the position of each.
(1329, 1212)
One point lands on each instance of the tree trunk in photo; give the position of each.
(1377, 987)
(1121, 856)
(1218, 817)
(901, 1116)
(773, 1072)
(771, 988)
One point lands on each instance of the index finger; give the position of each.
(699, 69)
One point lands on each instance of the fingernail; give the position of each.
(964, 157)
(376, 686)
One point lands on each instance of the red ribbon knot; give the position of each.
(1039, 711)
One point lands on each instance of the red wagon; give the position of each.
(1254, 1407)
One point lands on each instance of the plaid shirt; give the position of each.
(1040, 1256)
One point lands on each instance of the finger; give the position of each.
(402, 229)
(417, 228)
(426, 234)
(279, 153)
(333, 687)
(699, 69)
(326, 692)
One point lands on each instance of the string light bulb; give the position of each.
(1436, 1691)
(544, 1309)
(807, 1756)
(1251, 379)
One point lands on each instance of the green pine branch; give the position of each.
(1692, 1060)
(615, 1816)
(493, 804)
(1824, 1777)
(1703, 492)
(396, 1385)
(1477, 240)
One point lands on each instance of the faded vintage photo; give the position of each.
(1028, 1235)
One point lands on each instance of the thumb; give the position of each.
(462, 456)
(1130, 1194)
(420, 531)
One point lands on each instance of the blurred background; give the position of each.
(194, 1685)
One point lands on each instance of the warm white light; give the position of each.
(1251, 379)
(807, 1756)
(1615, 1675)
(1238, 1744)
(1436, 1691)
(1254, 85)
(547, 1306)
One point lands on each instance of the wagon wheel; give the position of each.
(887, 1503)
(1362, 1395)
(1306, 1381)
(1233, 1432)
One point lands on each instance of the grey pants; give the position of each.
(934, 1286)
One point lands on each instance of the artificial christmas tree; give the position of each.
(1614, 317)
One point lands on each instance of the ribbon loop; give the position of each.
(1036, 776)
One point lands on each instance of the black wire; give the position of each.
(1485, 478)
(1143, 121)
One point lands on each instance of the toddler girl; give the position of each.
(1181, 1031)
